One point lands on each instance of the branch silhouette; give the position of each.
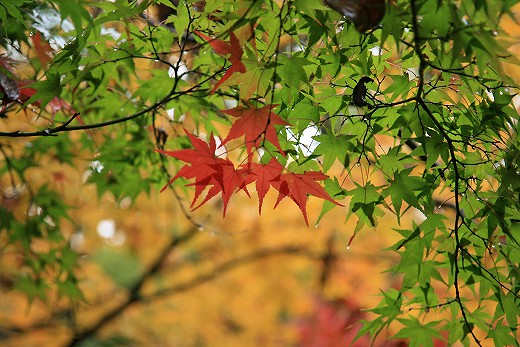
(134, 292)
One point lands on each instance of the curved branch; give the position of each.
(65, 128)
(226, 267)
(134, 292)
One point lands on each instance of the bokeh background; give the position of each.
(243, 280)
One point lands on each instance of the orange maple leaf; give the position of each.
(43, 48)
(254, 122)
(223, 48)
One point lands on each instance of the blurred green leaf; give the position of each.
(123, 267)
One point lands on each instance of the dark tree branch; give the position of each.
(459, 248)
(226, 267)
(134, 292)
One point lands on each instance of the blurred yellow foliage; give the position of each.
(240, 281)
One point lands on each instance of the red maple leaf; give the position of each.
(226, 180)
(58, 104)
(208, 171)
(202, 158)
(26, 92)
(299, 186)
(223, 48)
(254, 122)
(263, 176)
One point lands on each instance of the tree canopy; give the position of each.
(404, 107)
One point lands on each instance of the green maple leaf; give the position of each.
(407, 188)
(332, 148)
(46, 90)
(418, 333)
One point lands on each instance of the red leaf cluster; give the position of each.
(221, 176)
(224, 48)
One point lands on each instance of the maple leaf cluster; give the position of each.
(257, 125)
(221, 176)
